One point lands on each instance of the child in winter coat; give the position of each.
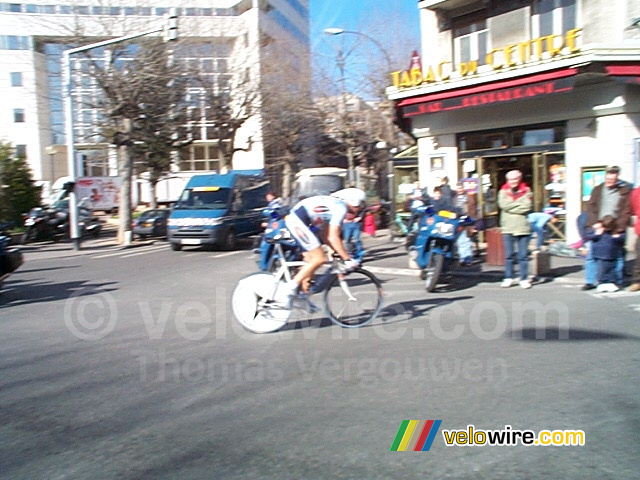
(605, 249)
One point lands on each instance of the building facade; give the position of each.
(550, 87)
(225, 38)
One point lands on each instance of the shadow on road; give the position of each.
(19, 292)
(409, 310)
(575, 334)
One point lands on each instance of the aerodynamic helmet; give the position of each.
(351, 196)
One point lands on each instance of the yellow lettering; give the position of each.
(572, 35)
(490, 59)
(430, 76)
(441, 73)
(553, 50)
(472, 67)
(405, 80)
(395, 77)
(539, 47)
(449, 436)
(416, 76)
(508, 51)
(461, 438)
(525, 51)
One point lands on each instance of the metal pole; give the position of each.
(345, 122)
(71, 154)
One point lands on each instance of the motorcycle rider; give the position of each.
(265, 248)
(317, 221)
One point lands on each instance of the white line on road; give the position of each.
(123, 253)
(220, 255)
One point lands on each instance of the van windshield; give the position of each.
(317, 185)
(204, 198)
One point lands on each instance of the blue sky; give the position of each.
(393, 23)
(351, 14)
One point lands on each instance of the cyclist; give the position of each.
(317, 220)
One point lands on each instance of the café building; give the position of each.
(549, 87)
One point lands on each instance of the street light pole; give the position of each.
(170, 29)
(340, 31)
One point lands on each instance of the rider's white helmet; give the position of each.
(351, 196)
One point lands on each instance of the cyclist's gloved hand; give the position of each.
(351, 264)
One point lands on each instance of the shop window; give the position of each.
(553, 17)
(471, 42)
(481, 141)
(538, 136)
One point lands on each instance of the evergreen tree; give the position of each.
(18, 193)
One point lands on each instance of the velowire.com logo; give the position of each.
(415, 435)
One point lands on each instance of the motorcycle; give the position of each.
(44, 224)
(10, 258)
(269, 257)
(434, 247)
(53, 223)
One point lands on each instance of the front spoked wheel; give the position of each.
(354, 300)
(256, 304)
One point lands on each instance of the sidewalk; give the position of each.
(385, 256)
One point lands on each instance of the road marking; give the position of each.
(393, 271)
(150, 250)
(220, 255)
(123, 253)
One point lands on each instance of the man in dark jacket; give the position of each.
(608, 198)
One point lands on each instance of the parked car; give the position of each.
(152, 223)
(10, 258)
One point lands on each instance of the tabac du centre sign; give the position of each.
(510, 56)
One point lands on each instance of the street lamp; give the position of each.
(170, 30)
(340, 31)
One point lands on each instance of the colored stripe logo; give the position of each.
(415, 435)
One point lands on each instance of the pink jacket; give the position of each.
(635, 208)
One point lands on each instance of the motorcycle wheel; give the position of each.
(433, 270)
(26, 237)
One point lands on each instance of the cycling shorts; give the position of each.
(300, 230)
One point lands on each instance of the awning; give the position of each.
(523, 88)
(625, 73)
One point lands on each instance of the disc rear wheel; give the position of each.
(257, 306)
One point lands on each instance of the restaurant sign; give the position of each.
(493, 97)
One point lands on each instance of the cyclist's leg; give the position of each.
(314, 254)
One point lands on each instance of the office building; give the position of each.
(224, 38)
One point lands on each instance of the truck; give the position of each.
(326, 180)
(96, 193)
(217, 209)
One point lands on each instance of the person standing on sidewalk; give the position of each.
(516, 202)
(608, 198)
(605, 248)
(635, 208)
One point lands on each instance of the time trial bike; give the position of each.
(352, 298)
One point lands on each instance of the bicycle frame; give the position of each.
(284, 272)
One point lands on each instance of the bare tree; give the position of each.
(143, 101)
(289, 117)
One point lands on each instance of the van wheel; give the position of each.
(230, 241)
(176, 247)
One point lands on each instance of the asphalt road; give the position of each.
(128, 364)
